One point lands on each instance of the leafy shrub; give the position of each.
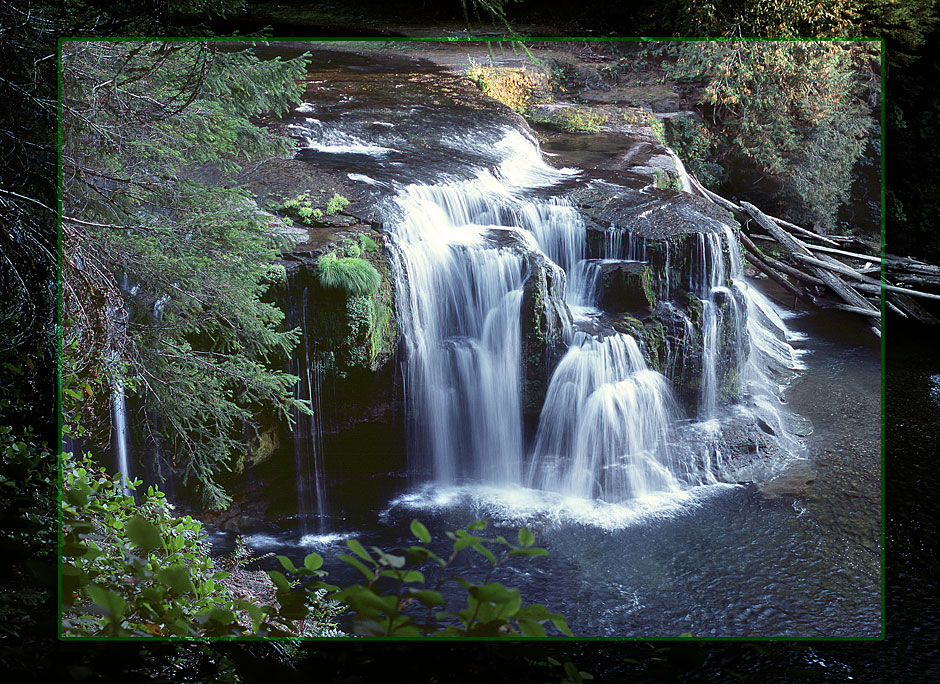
(357, 277)
(368, 244)
(394, 599)
(302, 206)
(337, 203)
(799, 109)
(133, 569)
(350, 248)
(515, 88)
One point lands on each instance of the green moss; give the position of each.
(659, 131)
(651, 337)
(368, 244)
(572, 120)
(667, 180)
(694, 311)
(357, 277)
(730, 385)
(649, 287)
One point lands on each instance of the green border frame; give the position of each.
(459, 40)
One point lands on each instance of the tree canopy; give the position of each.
(801, 110)
(166, 259)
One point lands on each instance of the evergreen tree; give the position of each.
(800, 110)
(165, 261)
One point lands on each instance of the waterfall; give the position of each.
(460, 250)
(307, 436)
(463, 283)
(119, 422)
(603, 431)
(463, 253)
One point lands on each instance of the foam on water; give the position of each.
(514, 506)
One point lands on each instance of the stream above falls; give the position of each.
(694, 458)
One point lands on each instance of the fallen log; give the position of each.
(854, 255)
(836, 266)
(908, 307)
(896, 263)
(777, 278)
(824, 273)
(893, 288)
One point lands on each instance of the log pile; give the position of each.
(821, 271)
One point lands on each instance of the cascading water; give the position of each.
(119, 422)
(606, 426)
(463, 281)
(461, 249)
(307, 436)
(603, 431)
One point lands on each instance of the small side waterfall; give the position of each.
(119, 433)
(307, 436)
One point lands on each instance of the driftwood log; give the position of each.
(807, 267)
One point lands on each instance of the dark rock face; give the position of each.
(619, 285)
(545, 320)
(653, 282)
(352, 340)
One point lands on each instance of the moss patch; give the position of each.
(515, 88)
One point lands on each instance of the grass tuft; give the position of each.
(357, 277)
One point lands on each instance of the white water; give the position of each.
(608, 427)
(460, 315)
(119, 421)
(603, 432)
(310, 475)
(603, 429)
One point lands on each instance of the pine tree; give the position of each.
(165, 258)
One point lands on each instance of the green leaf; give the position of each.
(293, 605)
(74, 550)
(279, 580)
(427, 597)
(287, 564)
(526, 538)
(358, 549)
(313, 561)
(531, 628)
(389, 559)
(420, 531)
(176, 578)
(534, 551)
(221, 615)
(113, 604)
(346, 558)
(143, 534)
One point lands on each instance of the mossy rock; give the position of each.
(544, 319)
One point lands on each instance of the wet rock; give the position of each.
(620, 285)
(793, 483)
(545, 319)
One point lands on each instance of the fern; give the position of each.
(357, 277)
